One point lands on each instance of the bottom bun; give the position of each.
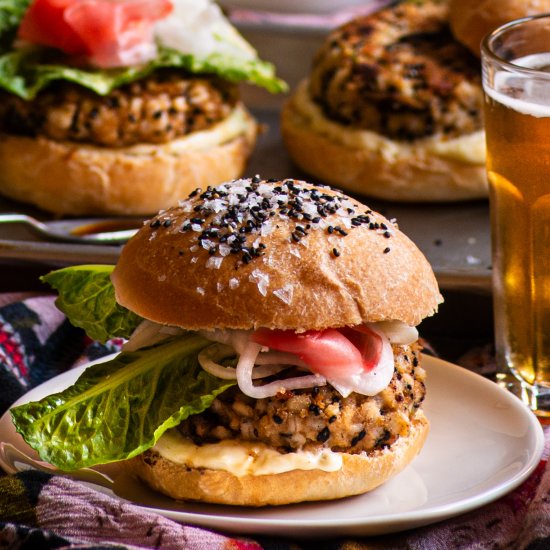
(80, 179)
(359, 474)
(361, 161)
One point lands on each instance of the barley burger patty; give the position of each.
(320, 417)
(159, 108)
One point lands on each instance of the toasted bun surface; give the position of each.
(471, 20)
(359, 474)
(282, 274)
(79, 179)
(370, 164)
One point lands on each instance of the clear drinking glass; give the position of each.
(516, 82)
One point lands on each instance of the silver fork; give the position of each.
(83, 231)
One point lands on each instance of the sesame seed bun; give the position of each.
(341, 268)
(70, 178)
(360, 473)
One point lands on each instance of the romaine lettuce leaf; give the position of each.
(25, 72)
(118, 409)
(87, 298)
(11, 13)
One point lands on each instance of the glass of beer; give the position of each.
(516, 82)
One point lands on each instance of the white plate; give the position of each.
(482, 444)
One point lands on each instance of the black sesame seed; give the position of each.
(332, 419)
(315, 409)
(387, 234)
(277, 419)
(323, 435)
(330, 229)
(335, 252)
(386, 250)
(361, 435)
(154, 223)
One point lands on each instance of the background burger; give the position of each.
(273, 355)
(121, 106)
(392, 109)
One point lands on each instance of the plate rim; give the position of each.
(368, 525)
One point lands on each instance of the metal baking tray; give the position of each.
(454, 237)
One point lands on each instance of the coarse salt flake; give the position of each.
(285, 293)
(214, 262)
(261, 279)
(234, 283)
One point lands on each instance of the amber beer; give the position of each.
(518, 164)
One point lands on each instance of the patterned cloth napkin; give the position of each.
(40, 511)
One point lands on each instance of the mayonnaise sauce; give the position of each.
(242, 458)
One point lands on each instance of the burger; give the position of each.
(273, 355)
(471, 20)
(392, 108)
(121, 107)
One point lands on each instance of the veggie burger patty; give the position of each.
(162, 107)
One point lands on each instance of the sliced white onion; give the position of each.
(146, 333)
(397, 332)
(237, 339)
(245, 367)
(210, 357)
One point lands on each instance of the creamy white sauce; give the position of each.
(469, 149)
(243, 458)
(199, 27)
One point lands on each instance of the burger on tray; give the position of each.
(272, 354)
(121, 106)
(392, 109)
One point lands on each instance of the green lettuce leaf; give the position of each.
(11, 14)
(119, 409)
(87, 298)
(26, 71)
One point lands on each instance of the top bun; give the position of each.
(471, 20)
(275, 254)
